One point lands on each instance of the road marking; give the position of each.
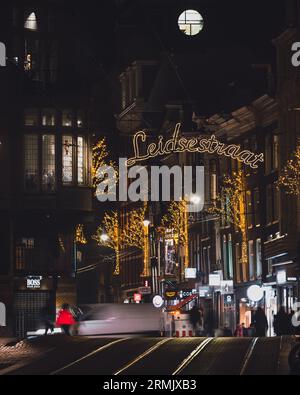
(192, 356)
(140, 357)
(248, 355)
(103, 348)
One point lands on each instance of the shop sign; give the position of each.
(215, 280)
(281, 277)
(158, 301)
(145, 290)
(227, 287)
(171, 295)
(190, 273)
(34, 282)
(204, 292)
(185, 293)
(137, 298)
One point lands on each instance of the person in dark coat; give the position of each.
(195, 318)
(260, 323)
(281, 323)
(48, 318)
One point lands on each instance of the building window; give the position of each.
(256, 203)
(258, 259)
(31, 22)
(48, 174)
(67, 160)
(249, 209)
(81, 161)
(272, 203)
(230, 257)
(31, 58)
(67, 118)
(251, 260)
(225, 257)
(31, 162)
(238, 264)
(48, 117)
(31, 117)
(190, 22)
(213, 180)
(272, 153)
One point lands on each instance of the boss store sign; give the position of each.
(34, 283)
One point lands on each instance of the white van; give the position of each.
(115, 319)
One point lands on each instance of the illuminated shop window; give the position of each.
(48, 117)
(251, 259)
(81, 161)
(31, 162)
(48, 172)
(67, 160)
(190, 22)
(67, 118)
(31, 22)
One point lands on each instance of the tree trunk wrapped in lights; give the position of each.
(231, 205)
(79, 235)
(136, 234)
(177, 220)
(110, 227)
(100, 159)
(289, 179)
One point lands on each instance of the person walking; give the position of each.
(239, 332)
(195, 319)
(65, 319)
(281, 323)
(48, 318)
(260, 323)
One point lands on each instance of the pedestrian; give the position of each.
(195, 319)
(227, 332)
(48, 318)
(260, 323)
(65, 319)
(239, 331)
(245, 330)
(281, 323)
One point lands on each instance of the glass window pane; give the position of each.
(256, 199)
(67, 160)
(81, 160)
(31, 22)
(67, 118)
(258, 258)
(230, 257)
(48, 175)
(31, 162)
(31, 117)
(251, 260)
(249, 209)
(48, 117)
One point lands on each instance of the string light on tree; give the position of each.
(80, 237)
(289, 179)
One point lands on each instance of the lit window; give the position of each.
(249, 209)
(31, 117)
(48, 175)
(31, 162)
(67, 118)
(67, 160)
(251, 259)
(190, 22)
(81, 160)
(258, 259)
(48, 117)
(31, 22)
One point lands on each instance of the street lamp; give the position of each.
(195, 199)
(104, 237)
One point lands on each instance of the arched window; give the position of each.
(190, 22)
(31, 22)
